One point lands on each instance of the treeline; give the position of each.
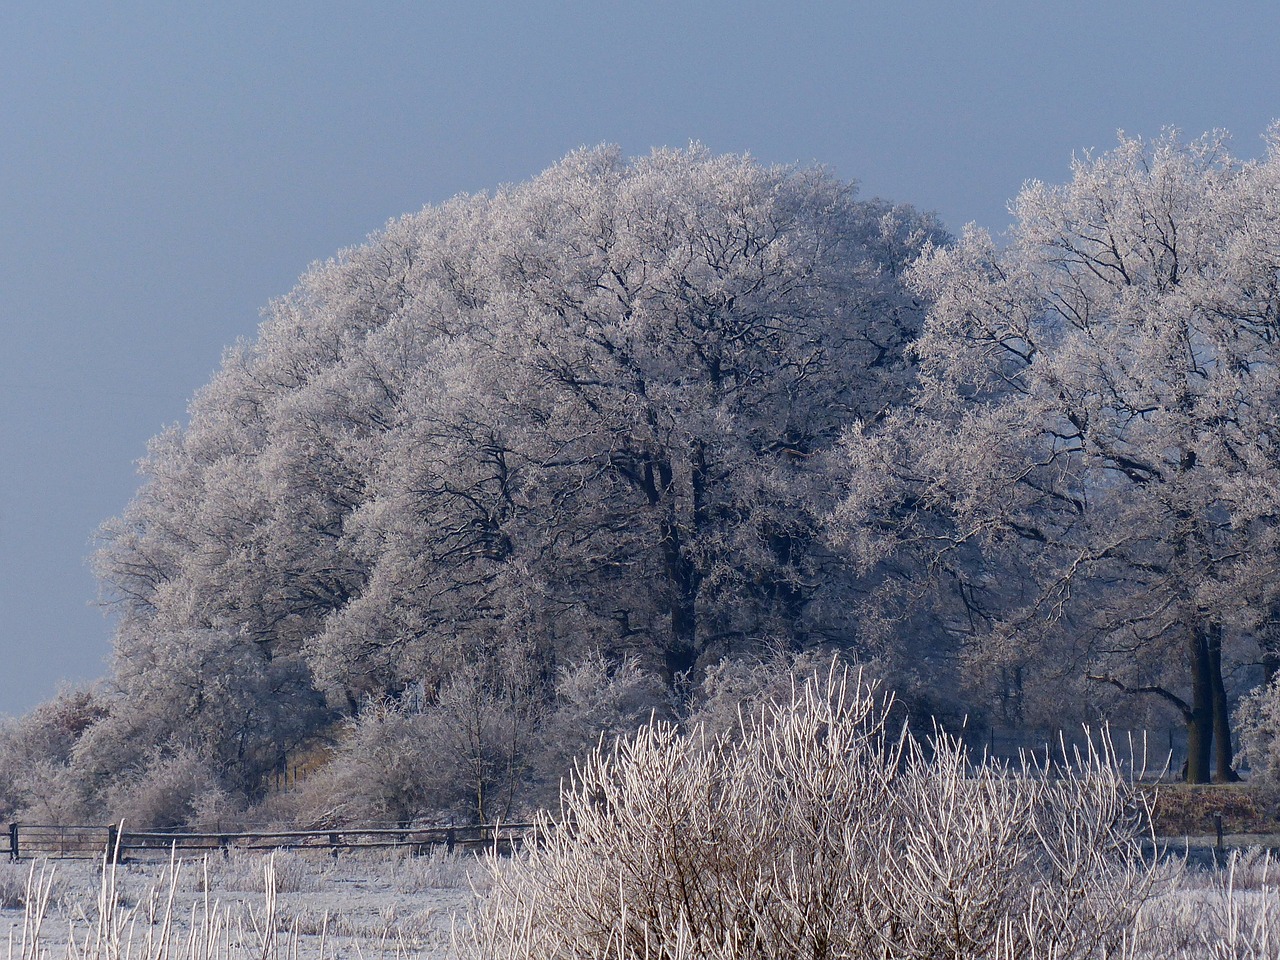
(526, 468)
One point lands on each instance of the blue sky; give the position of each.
(166, 171)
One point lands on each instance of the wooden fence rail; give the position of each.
(27, 840)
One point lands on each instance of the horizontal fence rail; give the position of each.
(48, 841)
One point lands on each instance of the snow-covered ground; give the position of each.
(395, 907)
(357, 905)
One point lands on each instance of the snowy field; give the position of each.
(380, 907)
(365, 906)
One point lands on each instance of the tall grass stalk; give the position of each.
(152, 930)
(181, 917)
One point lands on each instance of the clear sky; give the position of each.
(167, 168)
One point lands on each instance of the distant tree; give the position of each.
(1091, 456)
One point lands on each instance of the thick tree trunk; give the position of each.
(1200, 717)
(1224, 760)
(682, 577)
(682, 584)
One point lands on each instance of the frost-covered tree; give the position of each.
(1091, 456)
(628, 450)
(593, 411)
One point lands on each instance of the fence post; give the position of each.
(13, 841)
(113, 843)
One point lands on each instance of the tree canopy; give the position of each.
(593, 411)
(527, 466)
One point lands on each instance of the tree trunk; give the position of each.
(682, 586)
(680, 577)
(1200, 717)
(682, 580)
(1223, 769)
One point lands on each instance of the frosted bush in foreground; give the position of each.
(820, 832)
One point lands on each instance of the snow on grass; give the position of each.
(280, 907)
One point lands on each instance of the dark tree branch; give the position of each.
(1177, 701)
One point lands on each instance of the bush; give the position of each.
(492, 741)
(459, 751)
(820, 832)
(1257, 722)
(594, 701)
(35, 751)
(744, 688)
(173, 789)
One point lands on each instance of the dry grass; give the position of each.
(13, 885)
(293, 872)
(1229, 914)
(1183, 809)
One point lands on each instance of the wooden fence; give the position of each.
(48, 841)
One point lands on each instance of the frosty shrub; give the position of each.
(1257, 720)
(749, 685)
(593, 701)
(380, 771)
(34, 755)
(170, 790)
(490, 742)
(819, 831)
(458, 751)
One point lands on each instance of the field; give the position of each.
(290, 906)
(815, 834)
(368, 906)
